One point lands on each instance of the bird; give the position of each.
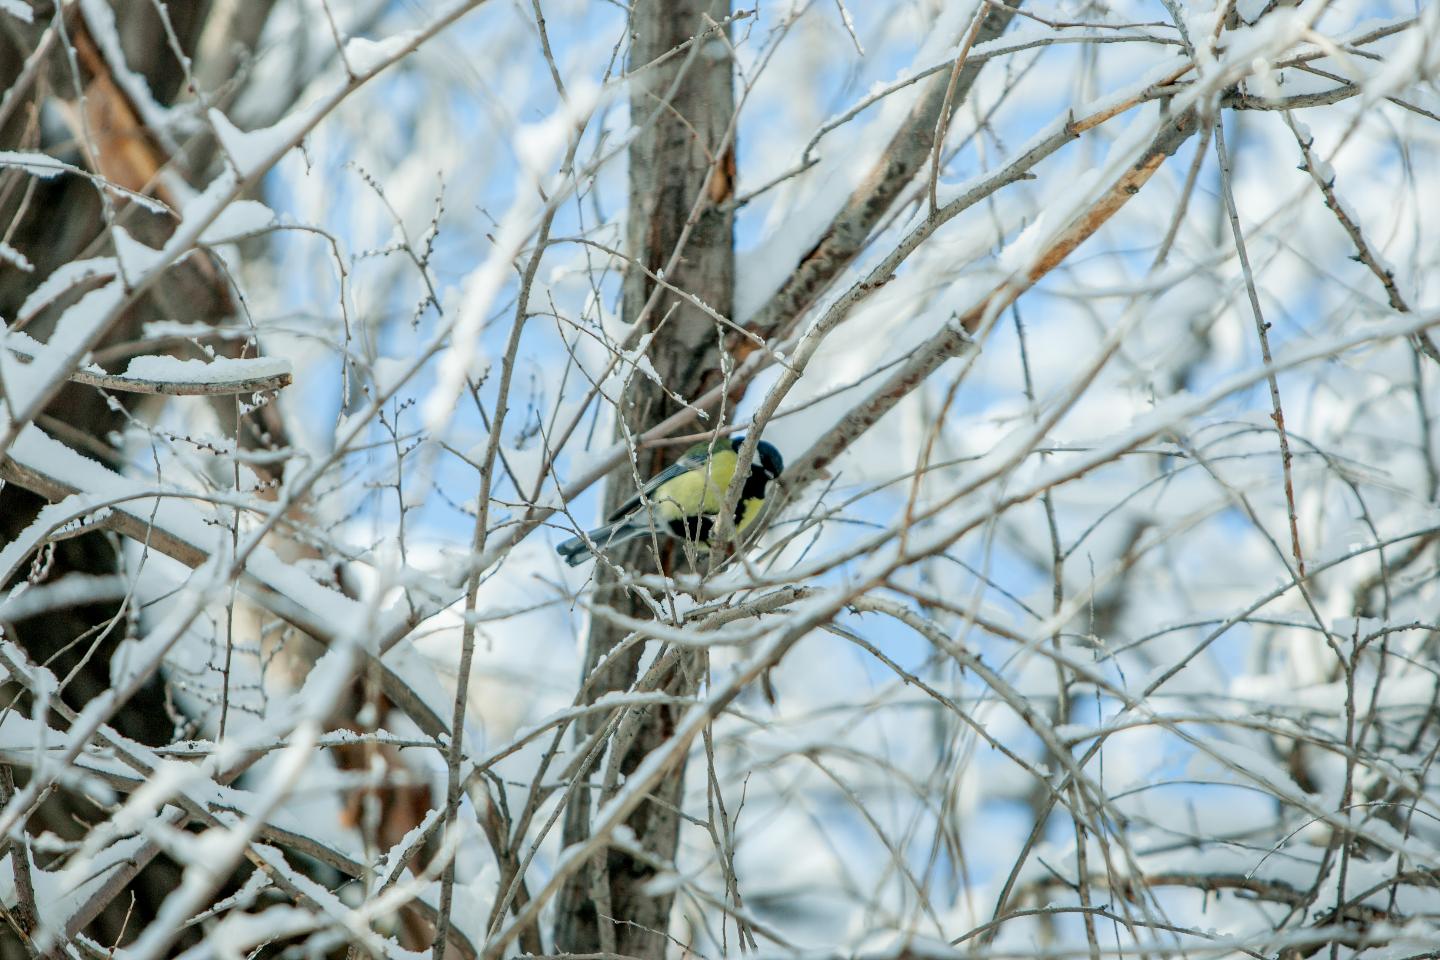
(682, 501)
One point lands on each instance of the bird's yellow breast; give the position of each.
(699, 491)
(749, 513)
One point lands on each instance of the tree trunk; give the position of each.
(681, 176)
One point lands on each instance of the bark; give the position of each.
(681, 175)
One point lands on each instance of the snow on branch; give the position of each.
(170, 376)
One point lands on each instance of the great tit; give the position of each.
(683, 500)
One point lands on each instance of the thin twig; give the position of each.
(1262, 331)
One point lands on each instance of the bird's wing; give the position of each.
(693, 458)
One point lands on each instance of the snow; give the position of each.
(63, 278)
(177, 518)
(367, 56)
(1250, 9)
(159, 329)
(237, 932)
(525, 461)
(50, 517)
(100, 19)
(82, 321)
(199, 211)
(134, 257)
(216, 371)
(59, 893)
(390, 373)
(254, 151)
(806, 206)
(538, 146)
(240, 219)
(35, 164)
(15, 258)
(465, 359)
(73, 590)
(330, 905)
(1417, 55)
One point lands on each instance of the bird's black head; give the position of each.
(770, 461)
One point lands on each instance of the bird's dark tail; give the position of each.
(577, 550)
